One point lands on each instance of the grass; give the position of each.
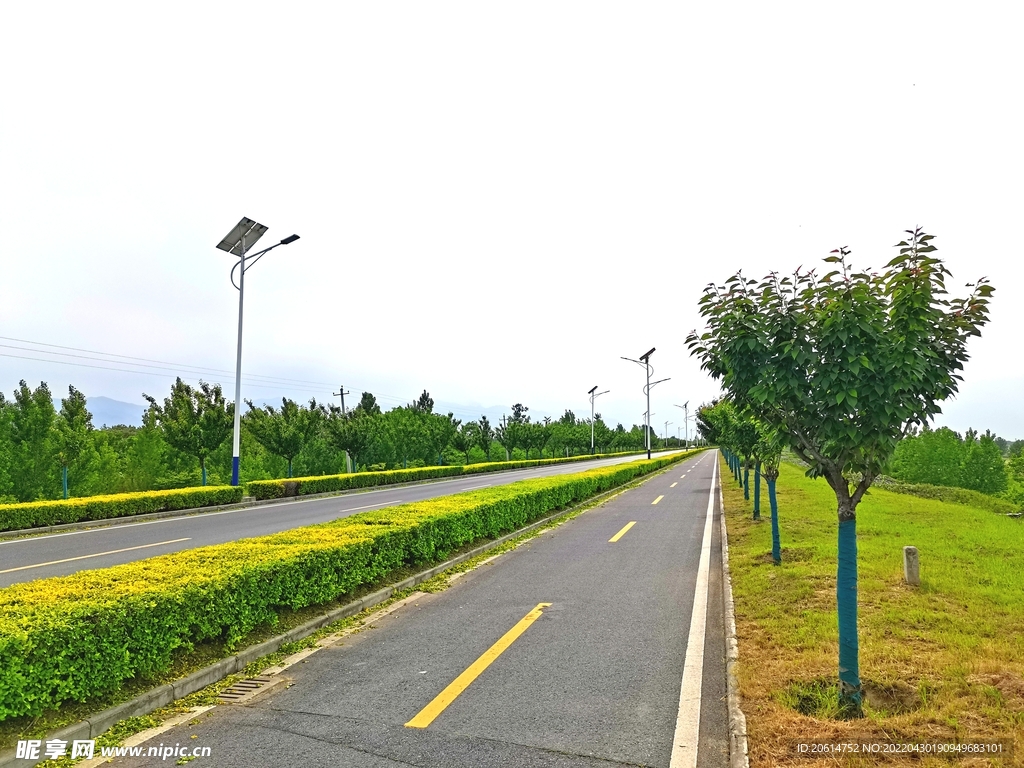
(939, 662)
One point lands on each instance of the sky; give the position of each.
(496, 201)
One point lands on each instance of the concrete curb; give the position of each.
(166, 694)
(738, 757)
(110, 522)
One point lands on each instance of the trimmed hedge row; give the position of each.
(77, 637)
(14, 517)
(951, 494)
(301, 486)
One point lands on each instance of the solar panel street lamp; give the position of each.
(645, 361)
(686, 419)
(238, 242)
(594, 397)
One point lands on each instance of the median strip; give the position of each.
(429, 713)
(98, 554)
(621, 533)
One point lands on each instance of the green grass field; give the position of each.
(940, 662)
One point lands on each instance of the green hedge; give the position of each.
(951, 494)
(33, 514)
(77, 637)
(301, 486)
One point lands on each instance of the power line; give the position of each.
(128, 370)
(196, 368)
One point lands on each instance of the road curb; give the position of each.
(166, 694)
(738, 756)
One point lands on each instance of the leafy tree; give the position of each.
(6, 457)
(368, 405)
(464, 439)
(424, 403)
(484, 435)
(984, 469)
(72, 430)
(33, 461)
(194, 421)
(934, 457)
(842, 366)
(286, 431)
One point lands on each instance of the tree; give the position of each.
(843, 365)
(71, 432)
(934, 457)
(368, 405)
(769, 449)
(194, 421)
(465, 438)
(6, 457)
(285, 432)
(984, 469)
(484, 435)
(32, 454)
(424, 403)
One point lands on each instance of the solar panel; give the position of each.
(232, 243)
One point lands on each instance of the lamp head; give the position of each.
(289, 239)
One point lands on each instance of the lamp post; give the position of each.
(686, 419)
(666, 430)
(238, 242)
(594, 397)
(645, 361)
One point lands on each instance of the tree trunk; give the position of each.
(202, 466)
(774, 505)
(64, 480)
(757, 490)
(746, 481)
(289, 469)
(846, 603)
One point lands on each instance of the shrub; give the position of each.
(37, 513)
(77, 637)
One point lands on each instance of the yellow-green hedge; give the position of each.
(301, 486)
(76, 637)
(33, 514)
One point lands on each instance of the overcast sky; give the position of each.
(495, 201)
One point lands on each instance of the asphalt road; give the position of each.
(61, 554)
(594, 680)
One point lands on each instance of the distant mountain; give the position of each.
(107, 412)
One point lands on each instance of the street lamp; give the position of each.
(686, 419)
(666, 430)
(238, 242)
(594, 397)
(645, 361)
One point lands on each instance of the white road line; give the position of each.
(475, 487)
(353, 509)
(687, 733)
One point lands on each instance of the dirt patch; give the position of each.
(891, 698)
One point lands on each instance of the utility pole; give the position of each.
(342, 394)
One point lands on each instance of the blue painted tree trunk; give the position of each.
(746, 482)
(202, 466)
(289, 468)
(774, 505)
(757, 490)
(64, 480)
(846, 602)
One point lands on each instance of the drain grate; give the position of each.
(246, 689)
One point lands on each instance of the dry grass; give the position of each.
(940, 662)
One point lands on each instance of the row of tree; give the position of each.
(842, 366)
(184, 440)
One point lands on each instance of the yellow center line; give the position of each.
(621, 533)
(658, 499)
(86, 557)
(427, 715)
(674, 484)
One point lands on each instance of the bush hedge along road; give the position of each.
(16, 517)
(34, 514)
(301, 486)
(76, 637)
